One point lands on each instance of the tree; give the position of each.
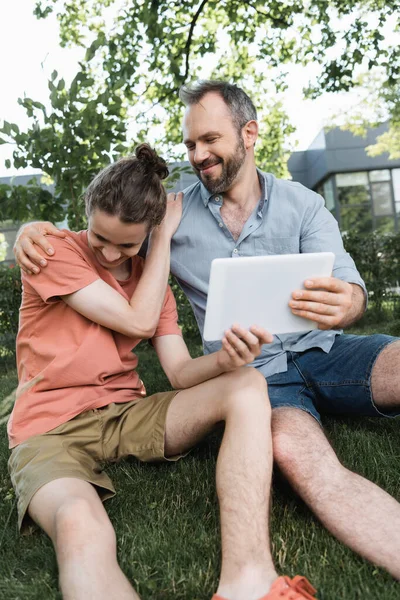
(139, 52)
(377, 102)
(69, 144)
(390, 140)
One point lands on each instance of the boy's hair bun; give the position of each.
(151, 162)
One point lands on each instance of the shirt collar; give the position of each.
(264, 192)
(206, 196)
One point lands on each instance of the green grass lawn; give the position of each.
(166, 518)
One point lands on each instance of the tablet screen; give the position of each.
(256, 291)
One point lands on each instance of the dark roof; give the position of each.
(337, 151)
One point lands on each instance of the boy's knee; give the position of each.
(246, 391)
(75, 522)
(248, 378)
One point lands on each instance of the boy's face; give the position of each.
(113, 241)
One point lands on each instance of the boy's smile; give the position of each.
(112, 241)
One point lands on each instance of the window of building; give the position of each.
(358, 217)
(329, 195)
(353, 189)
(354, 201)
(384, 224)
(326, 190)
(396, 189)
(354, 179)
(380, 175)
(382, 198)
(366, 200)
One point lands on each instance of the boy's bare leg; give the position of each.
(72, 514)
(243, 471)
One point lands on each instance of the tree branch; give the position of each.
(190, 36)
(187, 53)
(189, 43)
(161, 99)
(268, 16)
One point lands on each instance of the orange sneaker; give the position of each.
(298, 588)
(284, 588)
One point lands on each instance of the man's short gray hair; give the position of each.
(238, 102)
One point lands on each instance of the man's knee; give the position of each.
(75, 522)
(286, 451)
(300, 449)
(291, 428)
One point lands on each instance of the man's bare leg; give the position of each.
(243, 472)
(72, 514)
(385, 378)
(355, 510)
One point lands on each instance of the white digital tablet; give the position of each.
(256, 291)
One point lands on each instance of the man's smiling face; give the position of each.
(215, 148)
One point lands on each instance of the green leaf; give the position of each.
(53, 75)
(119, 83)
(41, 13)
(91, 51)
(6, 128)
(7, 163)
(38, 105)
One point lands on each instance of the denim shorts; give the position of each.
(337, 383)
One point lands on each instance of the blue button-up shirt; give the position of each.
(288, 219)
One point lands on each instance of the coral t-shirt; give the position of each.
(79, 364)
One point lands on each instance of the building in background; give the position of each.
(360, 191)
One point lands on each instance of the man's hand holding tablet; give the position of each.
(241, 346)
(326, 300)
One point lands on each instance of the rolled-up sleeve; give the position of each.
(168, 323)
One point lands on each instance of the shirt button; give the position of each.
(221, 224)
(235, 251)
(217, 198)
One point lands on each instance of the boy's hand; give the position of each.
(29, 236)
(241, 346)
(172, 217)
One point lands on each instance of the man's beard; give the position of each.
(230, 168)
